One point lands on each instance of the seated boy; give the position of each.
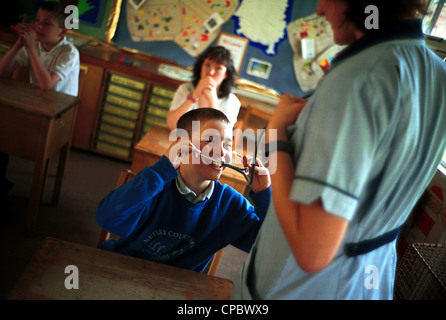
(53, 61)
(177, 212)
(42, 46)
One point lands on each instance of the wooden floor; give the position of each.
(88, 179)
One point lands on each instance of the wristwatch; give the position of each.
(279, 146)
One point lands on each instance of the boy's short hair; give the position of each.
(57, 9)
(202, 115)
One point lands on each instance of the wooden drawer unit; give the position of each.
(158, 106)
(122, 103)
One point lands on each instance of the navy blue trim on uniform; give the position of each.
(326, 185)
(410, 29)
(365, 246)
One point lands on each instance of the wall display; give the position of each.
(311, 39)
(236, 45)
(259, 68)
(192, 24)
(263, 23)
(97, 18)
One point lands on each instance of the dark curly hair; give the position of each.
(390, 11)
(223, 56)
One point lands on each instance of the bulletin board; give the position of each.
(311, 39)
(191, 24)
(280, 75)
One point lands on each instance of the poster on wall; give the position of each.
(97, 18)
(263, 23)
(311, 39)
(192, 24)
(259, 68)
(236, 45)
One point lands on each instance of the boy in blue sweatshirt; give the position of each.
(177, 212)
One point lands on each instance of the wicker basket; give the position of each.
(421, 273)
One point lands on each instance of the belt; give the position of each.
(365, 246)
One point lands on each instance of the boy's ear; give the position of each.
(64, 31)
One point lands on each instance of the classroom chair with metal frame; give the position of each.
(125, 176)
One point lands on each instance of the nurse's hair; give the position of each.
(390, 11)
(202, 115)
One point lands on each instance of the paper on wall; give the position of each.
(311, 39)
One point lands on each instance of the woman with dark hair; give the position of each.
(358, 156)
(211, 86)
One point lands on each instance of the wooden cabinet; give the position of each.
(128, 107)
(87, 109)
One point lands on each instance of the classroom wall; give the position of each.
(282, 77)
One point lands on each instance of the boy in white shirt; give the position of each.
(53, 61)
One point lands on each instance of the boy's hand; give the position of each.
(262, 179)
(27, 32)
(179, 149)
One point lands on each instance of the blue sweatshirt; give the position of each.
(156, 222)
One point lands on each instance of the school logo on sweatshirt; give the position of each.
(163, 245)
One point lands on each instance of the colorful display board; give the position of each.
(192, 24)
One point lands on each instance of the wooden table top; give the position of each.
(30, 98)
(108, 275)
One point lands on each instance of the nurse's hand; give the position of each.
(286, 113)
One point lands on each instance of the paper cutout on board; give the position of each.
(311, 39)
(192, 24)
(263, 23)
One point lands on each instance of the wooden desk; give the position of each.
(108, 275)
(155, 144)
(35, 124)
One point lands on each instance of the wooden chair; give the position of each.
(125, 176)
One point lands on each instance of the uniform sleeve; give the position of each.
(66, 62)
(338, 144)
(120, 211)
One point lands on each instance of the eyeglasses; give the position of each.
(244, 171)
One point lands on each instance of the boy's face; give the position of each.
(48, 28)
(216, 142)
